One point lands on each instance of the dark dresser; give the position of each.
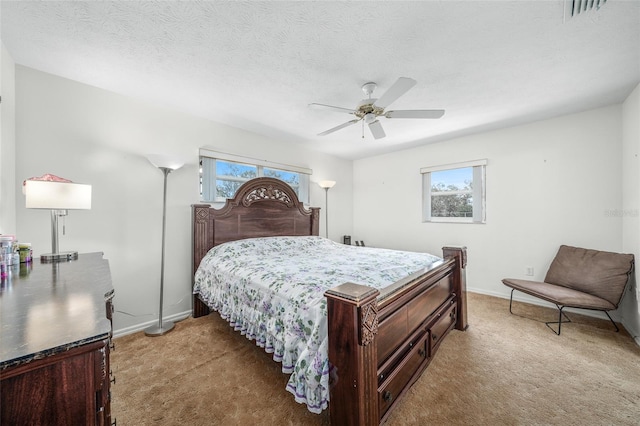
(55, 338)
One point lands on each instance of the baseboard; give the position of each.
(632, 331)
(139, 327)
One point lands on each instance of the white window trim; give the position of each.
(478, 193)
(473, 163)
(206, 152)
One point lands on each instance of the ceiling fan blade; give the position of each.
(342, 126)
(399, 88)
(415, 113)
(331, 107)
(376, 130)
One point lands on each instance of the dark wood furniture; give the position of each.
(55, 342)
(379, 342)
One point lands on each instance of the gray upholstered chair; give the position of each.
(580, 278)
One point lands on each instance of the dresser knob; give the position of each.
(422, 352)
(435, 337)
(387, 396)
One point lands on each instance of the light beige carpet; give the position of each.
(505, 370)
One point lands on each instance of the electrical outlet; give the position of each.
(528, 271)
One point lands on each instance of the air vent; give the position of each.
(580, 6)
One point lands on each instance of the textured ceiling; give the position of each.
(257, 65)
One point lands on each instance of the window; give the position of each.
(222, 174)
(454, 192)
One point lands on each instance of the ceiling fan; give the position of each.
(368, 110)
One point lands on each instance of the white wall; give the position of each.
(552, 182)
(97, 137)
(7, 143)
(631, 205)
(548, 183)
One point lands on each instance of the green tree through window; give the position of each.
(220, 178)
(231, 176)
(455, 192)
(452, 200)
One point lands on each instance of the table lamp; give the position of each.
(58, 195)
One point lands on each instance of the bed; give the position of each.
(376, 338)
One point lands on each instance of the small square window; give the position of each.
(454, 193)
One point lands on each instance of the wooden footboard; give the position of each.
(379, 344)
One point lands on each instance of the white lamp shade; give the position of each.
(164, 161)
(327, 183)
(42, 194)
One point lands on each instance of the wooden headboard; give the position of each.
(262, 207)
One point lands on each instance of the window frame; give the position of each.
(207, 161)
(478, 193)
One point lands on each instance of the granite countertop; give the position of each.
(47, 308)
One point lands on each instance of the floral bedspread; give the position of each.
(272, 290)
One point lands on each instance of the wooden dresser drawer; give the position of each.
(400, 375)
(444, 321)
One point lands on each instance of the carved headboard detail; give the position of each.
(266, 193)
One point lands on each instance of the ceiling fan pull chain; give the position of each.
(362, 129)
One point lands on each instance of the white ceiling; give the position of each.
(257, 65)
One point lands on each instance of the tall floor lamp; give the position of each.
(166, 165)
(326, 184)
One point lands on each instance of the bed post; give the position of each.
(201, 232)
(352, 312)
(459, 282)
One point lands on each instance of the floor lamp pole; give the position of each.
(326, 185)
(326, 211)
(166, 326)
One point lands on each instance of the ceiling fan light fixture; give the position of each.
(369, 118)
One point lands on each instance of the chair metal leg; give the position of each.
(511, 301)
(612, 322)
(559, 322)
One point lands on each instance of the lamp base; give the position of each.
(62, 256)
(157, 330)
